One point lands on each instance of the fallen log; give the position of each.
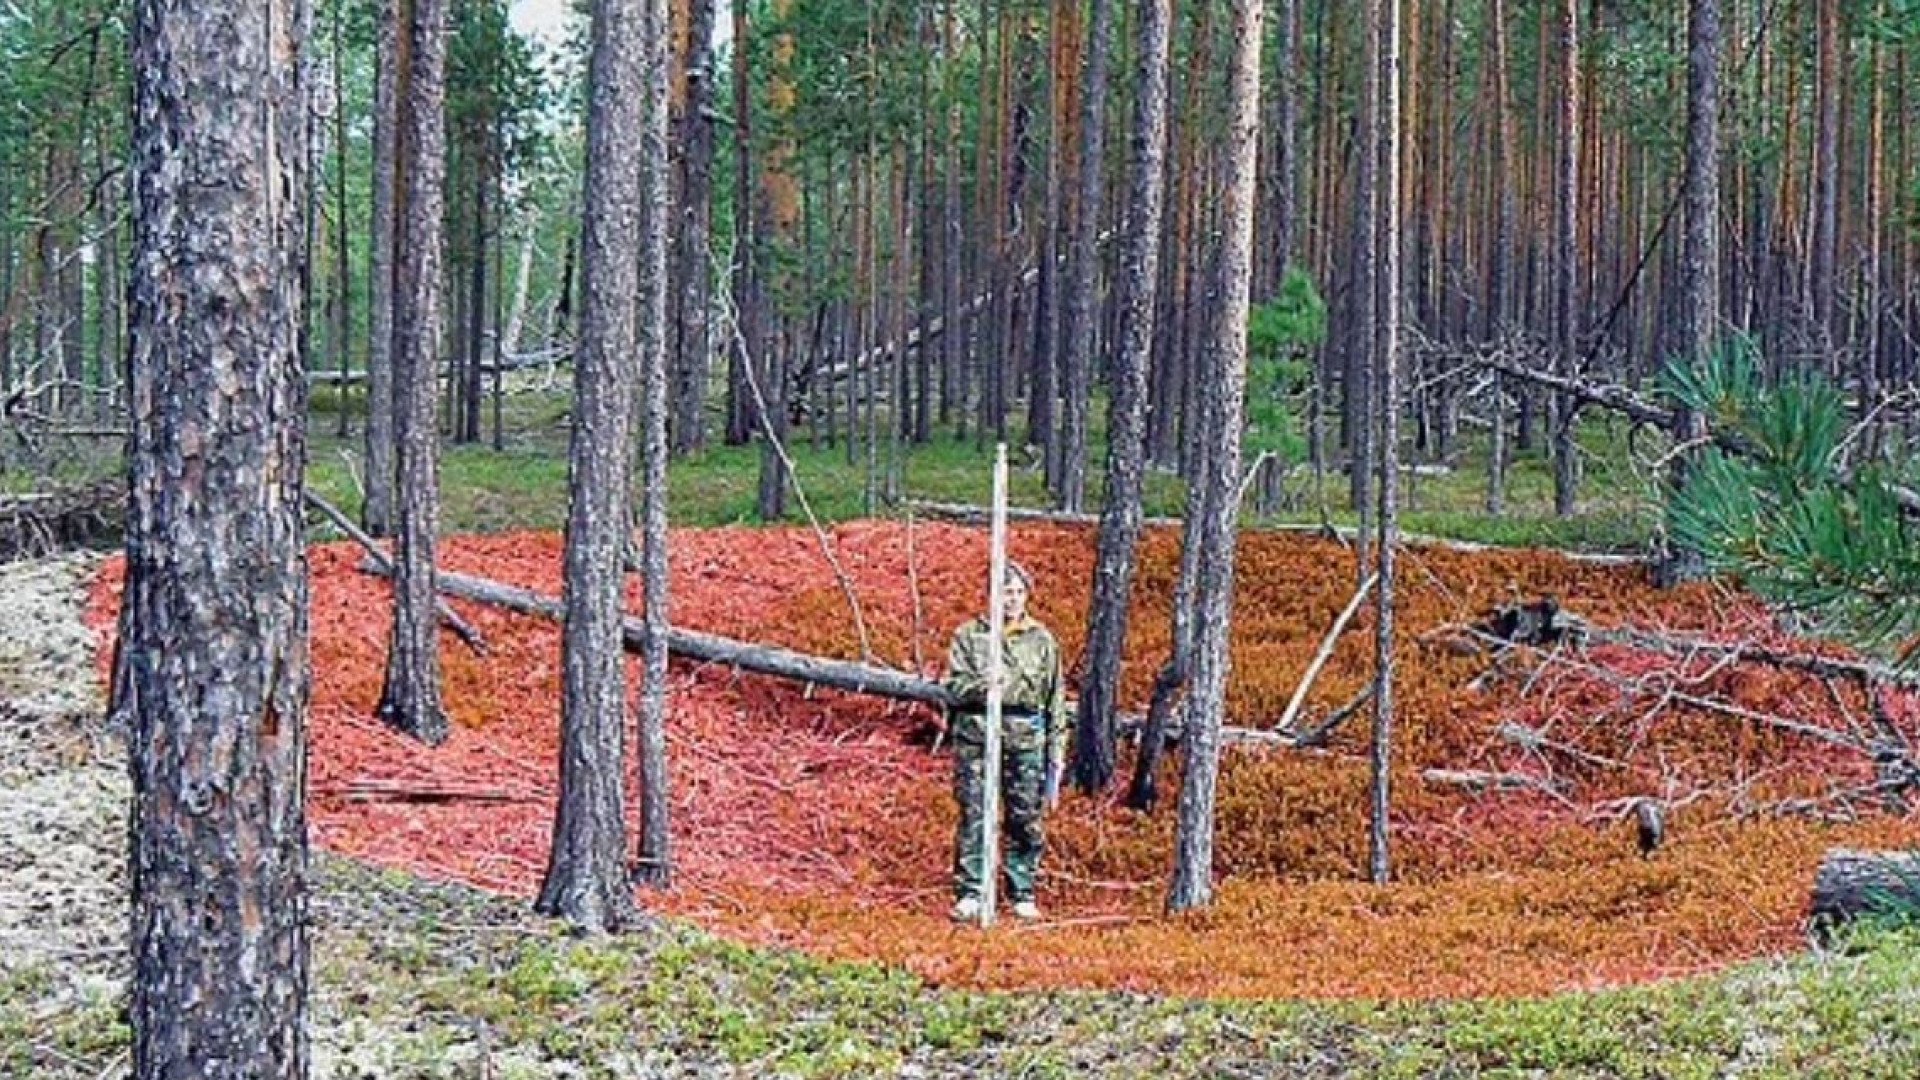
(1863, 884)
(461, 628)
(846, 675)
(1478, 780)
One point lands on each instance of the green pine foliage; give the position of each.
(1793, 517)
(1281, 336)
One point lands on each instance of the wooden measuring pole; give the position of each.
(996, 682)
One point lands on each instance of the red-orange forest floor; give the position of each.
(823, 821)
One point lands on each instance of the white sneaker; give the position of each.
(966, 909)
(1026, 910)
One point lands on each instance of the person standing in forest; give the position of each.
(1033, 729)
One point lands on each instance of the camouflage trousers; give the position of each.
(1023, 769)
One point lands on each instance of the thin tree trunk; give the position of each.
(744, 348)
(692, 347)
(1084, 266)
(655, 866)
(342, 252)
(1499, 300)
(410, 700)
(1826, 181)
(1227, 344)
(1386, 347)
(216, 589)
(1566, 412)
(1126, 410)
(390, 82)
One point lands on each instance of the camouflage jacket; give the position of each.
(1031, 663)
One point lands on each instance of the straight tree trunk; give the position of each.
(468, 410)
(342, 252)
(744, 349)
(1385, 137)
(1826, 181)
(1083, 265)
(390, 82)
(586, 881)
(1566, 412)
(1499, 299)
(692, 347)
(1227, 346)
(655, 864)
(410, 700)
(216, 589)
(1700, 252)
(1094, 749)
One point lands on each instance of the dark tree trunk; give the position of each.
(586, 881)
(744, 348)
(468, 412)
(376, 511)
(1700, 252)
(1226, 347)
(410, 701)
(1126, 410)
(1083, 267)
(216, 588)
(1566, 411)
(655, 864)
(693, 274)
(1826, 181)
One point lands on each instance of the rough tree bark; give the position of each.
(1120, 517)
(655, 864)
(216, 588)
(376, 510)
(410, 700)
(1083, 266)
(1385, 141)
(586, 880)
(693, 274)
(1227, 344)
(1700, 252)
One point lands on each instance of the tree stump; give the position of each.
(1864, 884)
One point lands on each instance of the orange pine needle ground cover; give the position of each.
(823, 821)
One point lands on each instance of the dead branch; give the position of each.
(1325, 652)
(461, 628)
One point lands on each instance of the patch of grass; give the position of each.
(523, 485)
(682, 997)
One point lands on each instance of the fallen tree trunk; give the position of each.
(847, 675)
(853, 677)
(461, 628)
(1860, 884)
